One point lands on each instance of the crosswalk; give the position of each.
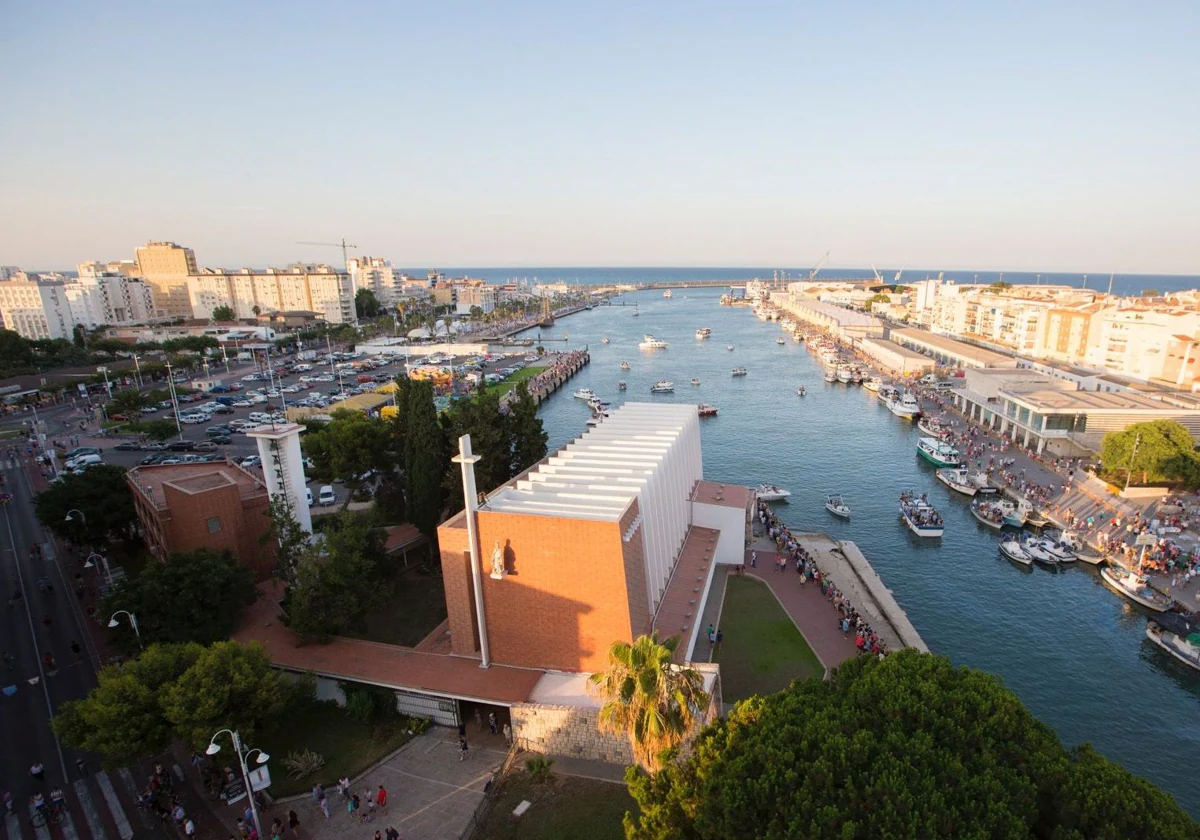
(102, 806)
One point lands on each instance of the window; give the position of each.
(214, 525)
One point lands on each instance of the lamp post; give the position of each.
(69, 518)
(112, 622)
(88, 564)
(174, 399)
(214, 748)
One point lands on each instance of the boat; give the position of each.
(599, 406)
(1073, 541)
(830, 376)
(1032, 546)
(933, 427)
(800, 391)
(856, 376)
(729, 347)
(906, 406)
(1184, 648)
(843, 374)
(937, 452)
(1135, 587)
(957, 479)
(604, 340)
(835, 505)
(771, 493)
(662, 386)
(624, 365)
(873, 384)
(584, 394)
(921, 517)
(779, 340)
(695, 381)
(703, 332)
(1020, 514)
(668, 294)
(621, 385)
(649, 342)
(1011, 548)
(992, 513)
(595, 420)
(1060, 552)
(706, 410)
(887, 393)
(738, 372)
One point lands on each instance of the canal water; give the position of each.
(1073, 651)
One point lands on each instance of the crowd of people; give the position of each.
(790, 552)
(542, 385)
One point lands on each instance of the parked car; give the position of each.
(221, 440)
(83, 461)
(128, 446)
(308, 497)
(326, 496)
(82, 450)
(252, 461)
(181, 446)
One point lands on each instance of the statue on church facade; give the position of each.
(497, 563)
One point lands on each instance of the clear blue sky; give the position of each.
(1041, 136)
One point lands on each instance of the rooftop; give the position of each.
(193, 479)
(681, 607)
(1085, 401)
(599, 474)
(953, 346)
(843, 316)
(726, 495)
(893, 347)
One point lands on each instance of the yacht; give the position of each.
(937, 452)
(649, 342)
(906, 406)
(706, 410)
(662, 386)
(695, 381)
(624, 365)
(584, 394)
(668, 294)
(738, 372)
(703, 332)
(771, 493)
(873, 384)
(800, 391)
(1184, 648)
(957, 479)
(779, 340)
(1011, 548)
(835, 505)
(920, 516)
(1135, 587)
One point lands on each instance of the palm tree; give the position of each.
(648, 697)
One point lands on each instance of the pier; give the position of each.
(556, 374)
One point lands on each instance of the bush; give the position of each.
(370, 703)
(539, 768)
(416, 725)
(301, 763)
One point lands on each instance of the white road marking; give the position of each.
(114, 804)
(95, 825)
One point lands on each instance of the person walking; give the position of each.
(492, 722)
(753, 559)
(38, 771)
(462, 749)
(381, 797)
(508, 734)
(294, 824)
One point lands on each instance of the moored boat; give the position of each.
(706, 410)
(1011, 548)
(662, 386)
(584, 394)
(938, 452)
(649, 342)
(991, 512)
(1060, 552)
(771, 493)
(1019, 514)
(843, 374)
(837, 506)
(873, 384)
(933, 427)
(1032, 546)
(830, 376)
(921, 517)
(905, 406)
(1184, 648)
(957, 479)
(1135, 587)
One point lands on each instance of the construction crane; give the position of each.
(343, 245)
(878, 276)
(812, 275)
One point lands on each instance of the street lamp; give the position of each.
(112, 622)
(88, 564)
(214, 748)
(70, 518)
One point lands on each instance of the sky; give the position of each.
(1040, 136)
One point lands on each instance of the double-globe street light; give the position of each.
(214, 748)
(112, 622)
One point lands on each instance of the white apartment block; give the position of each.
(471, 296)
(383, 279)
(298, 288)
(1133, 341)
(51, 306)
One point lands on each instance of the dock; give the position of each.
(556, 374)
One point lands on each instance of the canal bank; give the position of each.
(1072, 650)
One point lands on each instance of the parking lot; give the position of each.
(213, 423)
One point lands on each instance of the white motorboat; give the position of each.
(738, 372)
(771, 493)
(1060, 552)
(873, 384)
(906, 406)
(668, 294)
(706, 410)
(779, 340)
(596, 419)
(584, 394)
(1019, 514)
(887, 393)
(800, 391)
(933, 427)
(1084, 552)
(1184, 648)
(920, 516)
(728, 346)
(604, 340)
(695, 381)
(1011, 548)
(662, 386)
(649, 342)
(1135, 587)
(837, 506)
(1032, 546)
(992, 513)
(938, 452)
(843, 374)
(703, 332)
(957, 479)
(830, 376)
(624, 365)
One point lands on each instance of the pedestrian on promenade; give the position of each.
(479, 719)
(392, 833)
(325, 807)
(294, 824)
(462, 749)
(38, 771)
(352, 804)
(492, 722)
(753, 559)
(344, 787)
(508, 734)
(381, 797)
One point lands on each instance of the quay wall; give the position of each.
(883, 597)
(543, 389)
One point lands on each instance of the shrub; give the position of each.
(539, 768)
(301, 763)
(370, 703)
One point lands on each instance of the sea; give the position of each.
(1124, 285)
(1074, 651)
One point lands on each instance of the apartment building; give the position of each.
(250, 292)
(166, 267)
(1134, 340)
(388, 283)
(51, 306)
(471, 296)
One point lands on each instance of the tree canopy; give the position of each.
(529, 437)
(366, 304)
(349, 447)
(103, 496)
(196, 597)
(158, 429)
(1158, 451)
(905, 746)
(425, 459)
(223, 313)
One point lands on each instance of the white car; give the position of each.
(242, 403)
(194, 418)
(326, 496)
(252, 461)
(149, 409)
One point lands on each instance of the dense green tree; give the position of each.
(223, 313)
(111, 346)
(128, 401)
(229, 686)
(190, 343)
(79, 335)
(425, 459)
(339, 579)
(122, 719)
(366, 304)
(529, 437)
(288, 538)
(906, 746)
(15, 351)
(648, 698)
(1158, 451)
(349, 447)
(103, 496)
(491, 439)
(196, 597)
(159, 429)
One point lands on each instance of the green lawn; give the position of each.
(563, 808)
(507, 385)
(418, 606)
(349, 747)
(762, 651)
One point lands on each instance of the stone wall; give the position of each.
(567, 730)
